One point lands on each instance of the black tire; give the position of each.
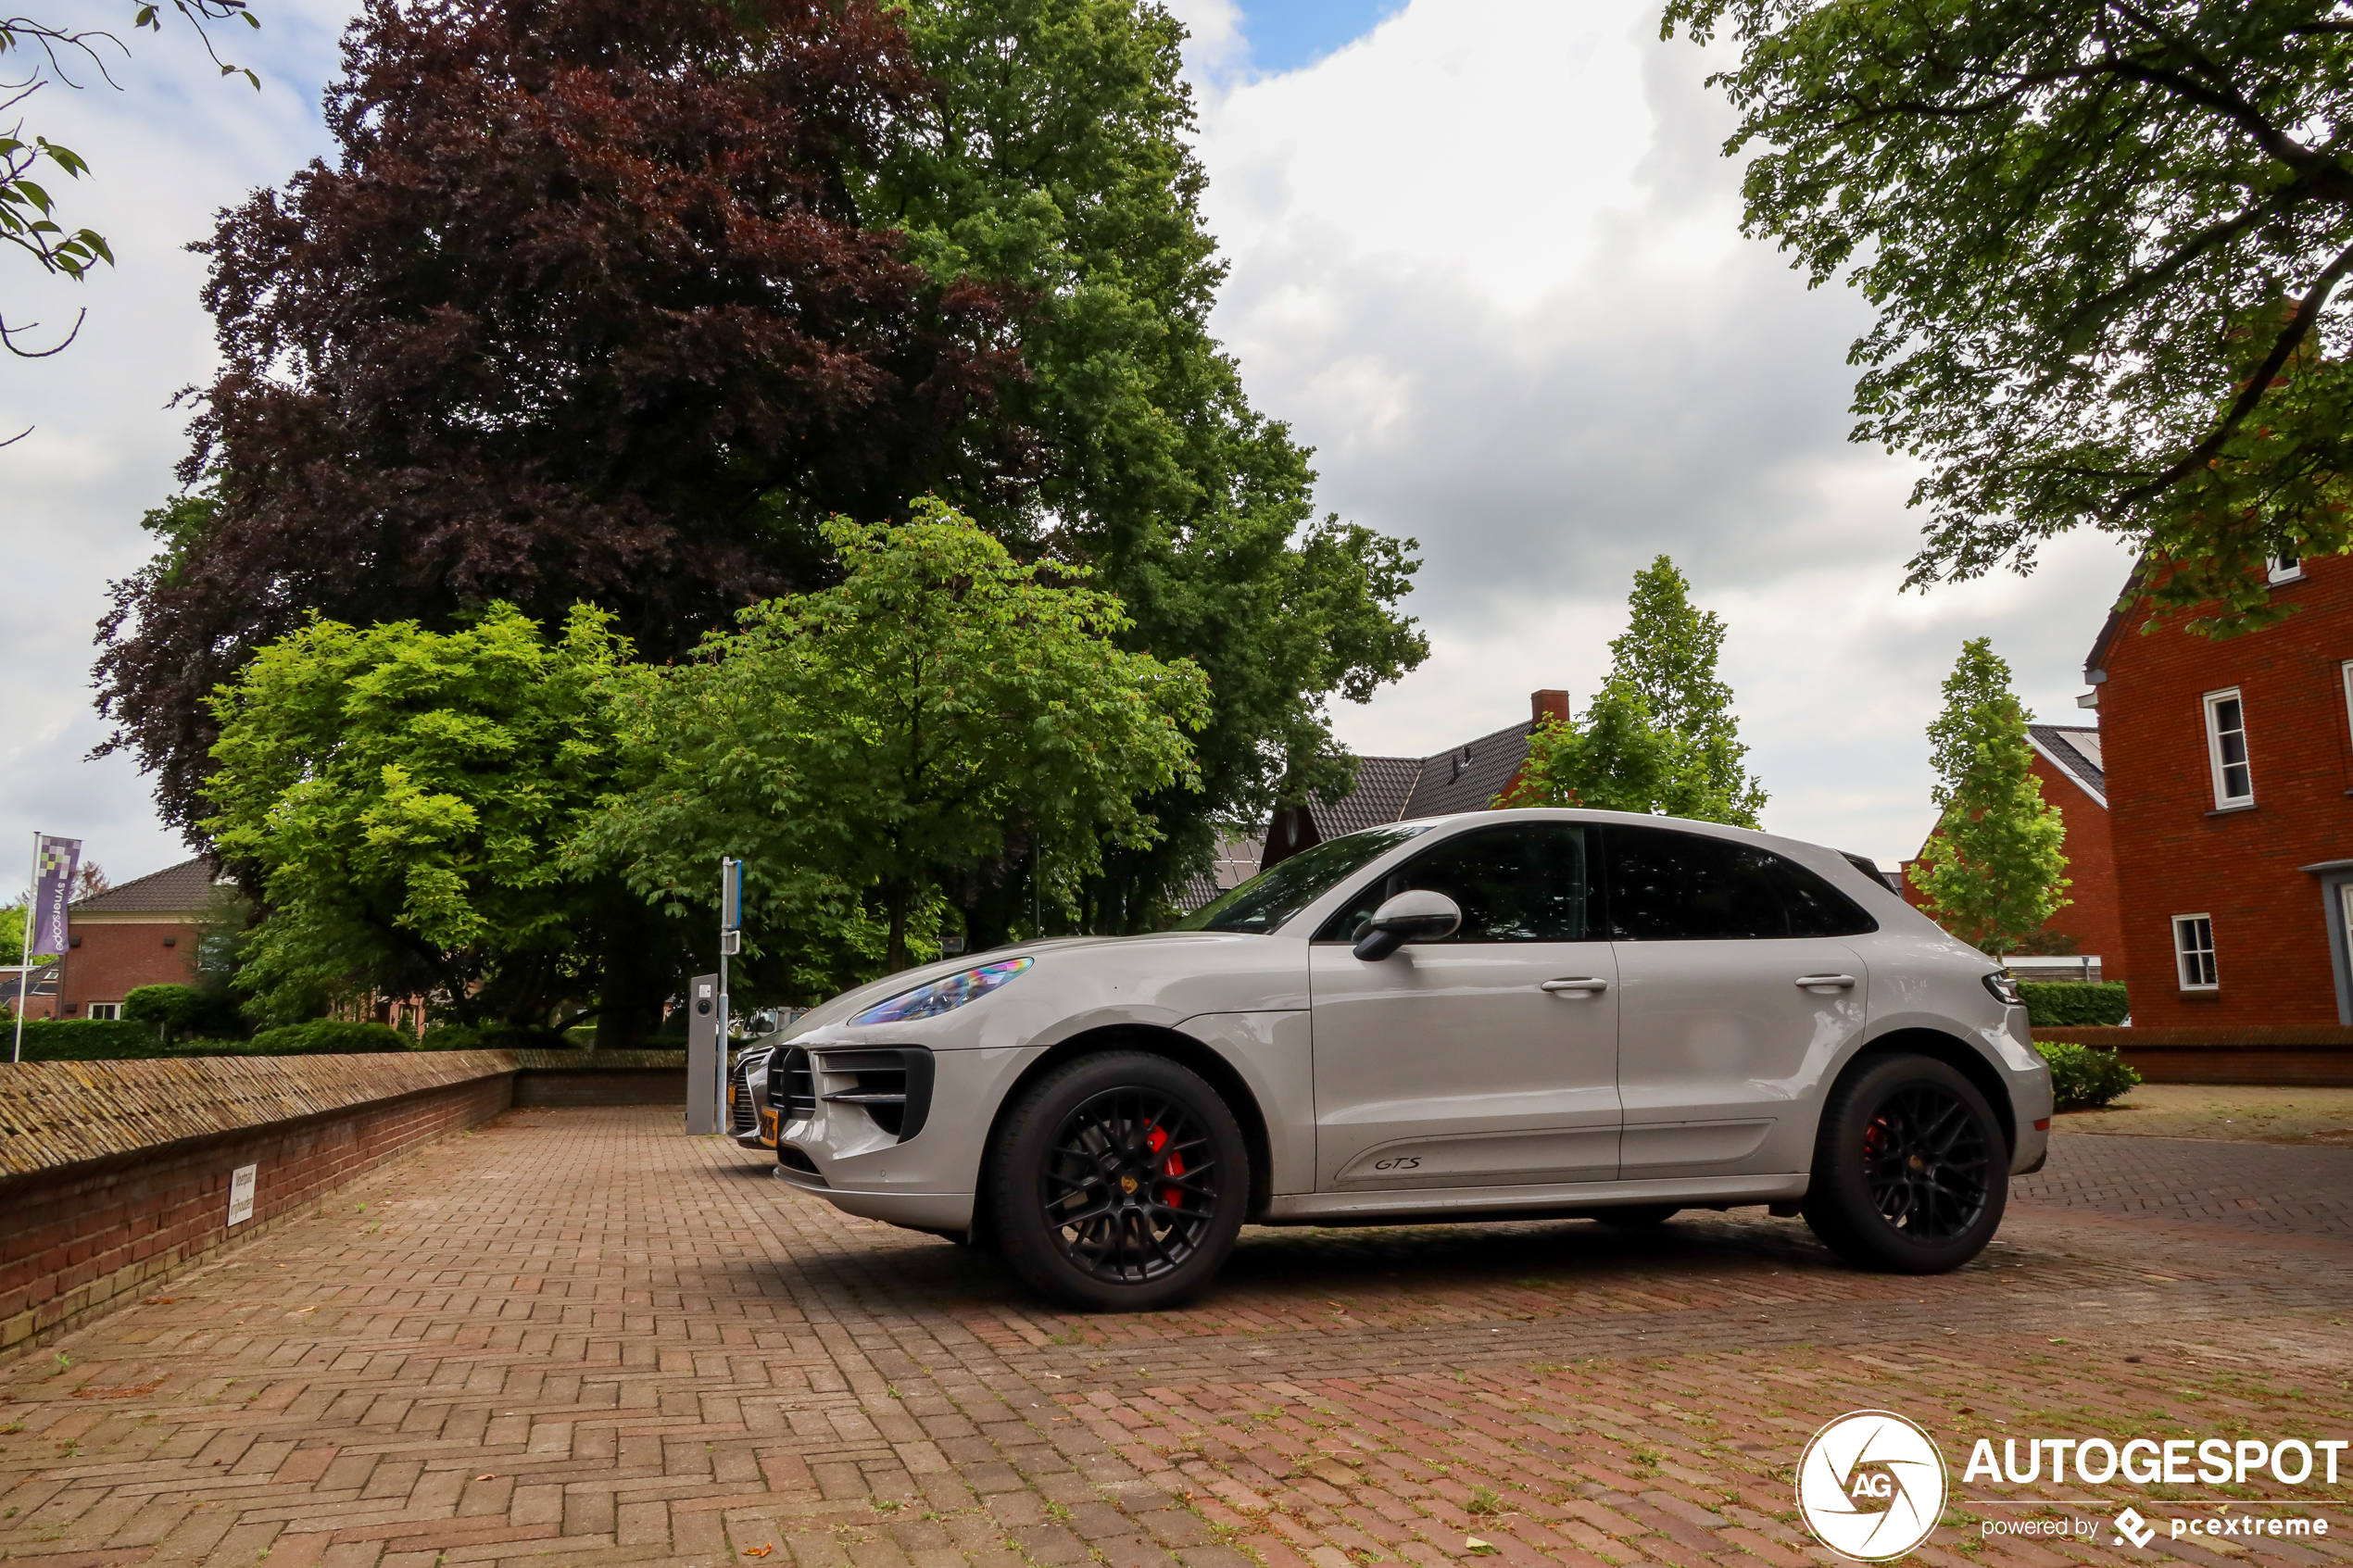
(1117, 1182)
(1637, 1217)
(1911, 1171)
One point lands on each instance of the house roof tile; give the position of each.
(186, 887)
(2074, 750)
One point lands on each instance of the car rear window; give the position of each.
(1666, 885)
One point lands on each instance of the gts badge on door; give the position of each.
(1487, 1160)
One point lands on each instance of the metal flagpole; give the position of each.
(731, 916)
(24, 948)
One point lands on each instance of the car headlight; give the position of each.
(2003, 984)
(944, 995)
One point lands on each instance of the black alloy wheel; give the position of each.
(1927, 1164)
(1118, 1183)
(1911, 1171)
(1130, 1187)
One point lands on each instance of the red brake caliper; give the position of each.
(1155, 1141)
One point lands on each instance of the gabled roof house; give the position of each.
(1394, 789)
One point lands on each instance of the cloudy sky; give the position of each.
(1485, 259)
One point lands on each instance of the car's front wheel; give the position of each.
(1911, 1171)
(1117, 1183)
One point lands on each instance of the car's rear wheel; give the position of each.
(1117, 1183)
(1637, 1217)
(1911, 1171)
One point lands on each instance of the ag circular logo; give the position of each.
(1872, 1485)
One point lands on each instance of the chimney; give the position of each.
(1548, 705)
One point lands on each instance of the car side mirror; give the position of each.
(1415, 915)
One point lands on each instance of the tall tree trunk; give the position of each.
(639, 975)
(895, 958)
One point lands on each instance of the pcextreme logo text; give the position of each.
(1872, 1486)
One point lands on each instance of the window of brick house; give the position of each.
(2226, 749)
(105, 1009)
(2345, 677)
(2193, 952)
(2284, 568)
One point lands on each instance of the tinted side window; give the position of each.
(1681, 886)
(1524, 882)
(1815, 909)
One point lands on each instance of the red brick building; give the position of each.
(2069, 766)
(2230, 786)
(144, 933)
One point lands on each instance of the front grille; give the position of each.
(893, 1086)
(793, 1160)
(743, 1116)
(792, 1092)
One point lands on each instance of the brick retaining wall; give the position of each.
(115, 1173)
(2292, 1056)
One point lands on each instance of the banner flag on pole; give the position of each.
(53, 866)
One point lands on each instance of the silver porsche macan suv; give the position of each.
(1505, 1014)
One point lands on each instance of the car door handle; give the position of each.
(1586, 985)
(1826, 982)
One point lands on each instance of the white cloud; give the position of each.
(1487, 260)
(175, 145)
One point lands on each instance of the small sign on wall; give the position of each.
(241, 1185)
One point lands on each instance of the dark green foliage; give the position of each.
(2072, 1004)
(330, 1036)
(2086, 1076)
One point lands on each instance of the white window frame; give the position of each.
(2284, 568)
(109, 1011)
(2345, 676)
(2185, 952)
(2224, 800)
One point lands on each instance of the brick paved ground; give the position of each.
(579, 1338)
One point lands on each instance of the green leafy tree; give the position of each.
(407, 797)
(2108, 248)
(865, 746)
(1620, 758)
(165, 1009)
(1058, 166)
(1995, 869)
(1668, 653)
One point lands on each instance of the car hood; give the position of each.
(1163, 973)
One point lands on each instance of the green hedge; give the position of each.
(87, 1039)
(84, 1040)
(2086, 1076)
(2072, 1004)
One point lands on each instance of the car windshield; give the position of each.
(1266, 900)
